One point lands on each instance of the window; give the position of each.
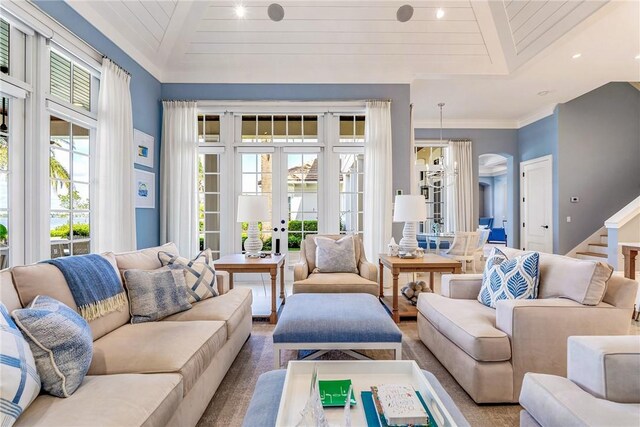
(4, 186)
(351, 193)
(70, 177)
(208, 128)
(432, 185)
(352, 129)
(279, 128)
(4, 46)
(69, 81)
(209, 202)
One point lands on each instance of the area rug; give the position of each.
(228, 406)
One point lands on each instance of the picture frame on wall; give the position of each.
(144, 148)
(145, 189)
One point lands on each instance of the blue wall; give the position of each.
(145, 99)
(490, 141)
(541, 139)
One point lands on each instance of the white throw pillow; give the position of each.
(335, 256)
(20, 382)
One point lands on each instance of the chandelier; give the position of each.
(437, 173)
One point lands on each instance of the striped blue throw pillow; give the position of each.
(61, 342)
(19, 380)
(505, 278)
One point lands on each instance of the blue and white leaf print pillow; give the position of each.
(505, 278)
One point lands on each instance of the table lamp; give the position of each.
(410, 209)
(253, 209)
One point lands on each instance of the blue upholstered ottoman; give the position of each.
(263, 408)
(342, 322)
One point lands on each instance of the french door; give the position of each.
(291, 178)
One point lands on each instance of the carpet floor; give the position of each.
(228, 406)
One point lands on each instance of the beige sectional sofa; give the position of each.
(488, 351)
(148, 374)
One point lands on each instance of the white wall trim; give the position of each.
(275, 107)
(467, 124)
(534, 117)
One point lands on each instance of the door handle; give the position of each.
(544, 226)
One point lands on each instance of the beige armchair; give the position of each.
(602, 387)
(489, 351)
(306, 281)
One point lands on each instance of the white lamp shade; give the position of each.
(409, 208)
(253, 208)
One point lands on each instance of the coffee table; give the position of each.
(238, 263)
(429, 263)
(363, 375)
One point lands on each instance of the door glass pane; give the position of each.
(249, 128)
(257, 179)
(302, 197)
(265, 130)
(311, 128)
(295, 128)
(351, 191)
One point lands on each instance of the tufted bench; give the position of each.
(342, 322)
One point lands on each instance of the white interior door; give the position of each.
(536, 193)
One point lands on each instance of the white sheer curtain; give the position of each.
(178, 174)
(460, 194)
(113, 210)
(378, 189)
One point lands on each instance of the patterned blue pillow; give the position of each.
(19, 380)
(156, 294)
(505, 278)
(61, 342)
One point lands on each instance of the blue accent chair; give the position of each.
(486, 222)
(498, 235)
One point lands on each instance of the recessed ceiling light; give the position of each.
(240, 11)
(543, 92)
(440, 14)
(275, 12)
(576, 55)
(404, 13)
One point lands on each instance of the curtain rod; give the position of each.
(120, 66)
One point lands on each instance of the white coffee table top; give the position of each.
(363, 375)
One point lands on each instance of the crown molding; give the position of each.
(466, 124)
(534, 117)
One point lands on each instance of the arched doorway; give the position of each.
(493, 196)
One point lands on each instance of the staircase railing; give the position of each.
(622, 227)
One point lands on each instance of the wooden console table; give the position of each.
(238, 263)
(430, 263)
(630, 252)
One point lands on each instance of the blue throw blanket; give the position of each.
(94, 284)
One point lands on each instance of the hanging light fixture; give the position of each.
(439, 174)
